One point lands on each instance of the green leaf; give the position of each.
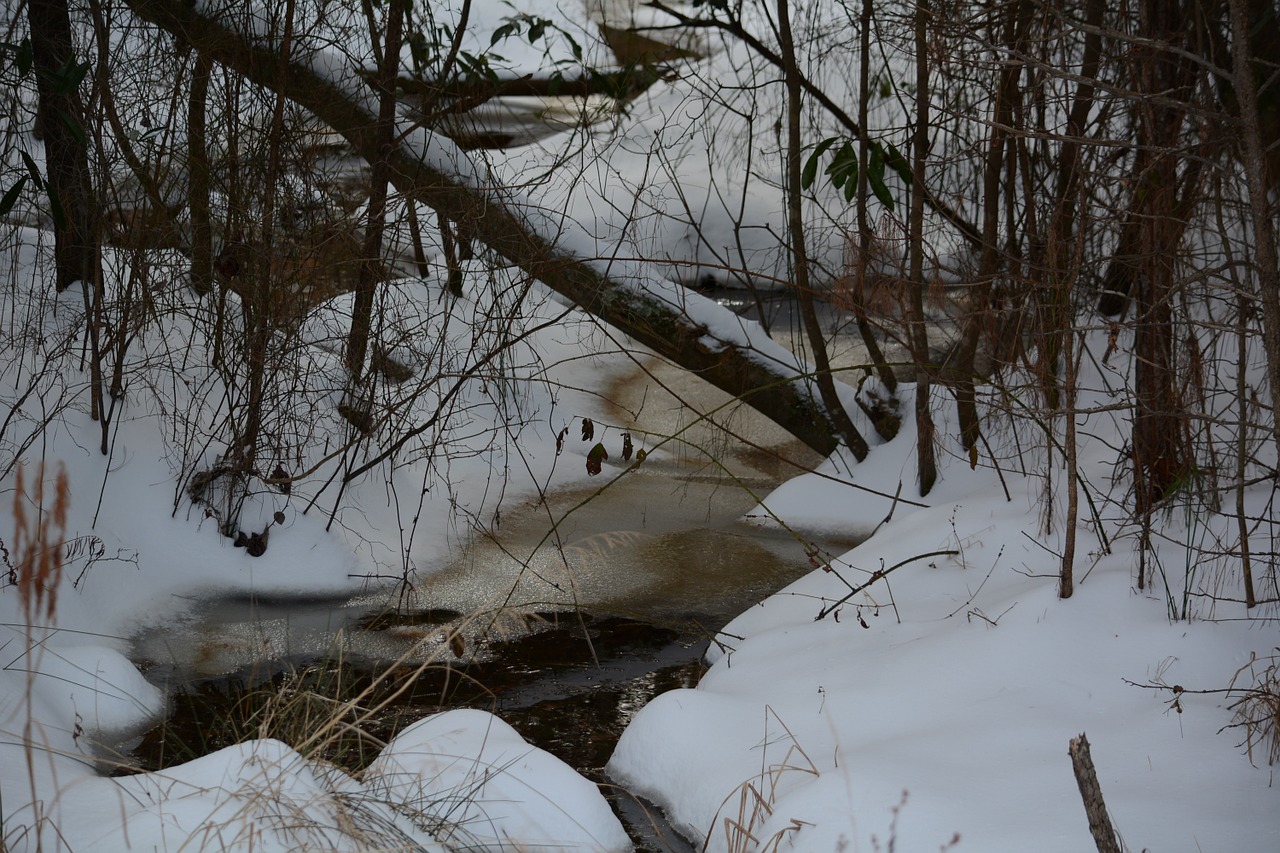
(55, 207)
(810, 172)
(32, 169)
(11, 197)
(899, 164)
(503, 32)
(875, 177)
(24, 57)
(875, 169)
(844, 167)
(537, 29)
(881, 191)
(68, 78)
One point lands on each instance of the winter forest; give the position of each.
(717, 425)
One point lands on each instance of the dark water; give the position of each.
(570, 688)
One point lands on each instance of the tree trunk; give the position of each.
(1104, 834)
(885, 372)
(61, 121)
(1253, 156)
(961, 366)
(198, 177)
(799, 255)
(376, 218)
(1064, 256)
(926, 465)
(763, 376)
(1160, 450)
(259, 296)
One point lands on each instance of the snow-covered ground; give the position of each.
(940, 703)
(937, 703)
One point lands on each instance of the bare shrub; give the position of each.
(1257, 711)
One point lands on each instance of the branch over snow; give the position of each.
(688, 329)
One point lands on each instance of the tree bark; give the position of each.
(1064, 257)
(926, 464)
(1160, 448)
(885, 372)
(961, 367)
(1104, 834)
(768, 381)
(198, 177)
(61, 120)
(1253, 156)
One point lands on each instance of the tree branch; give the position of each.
(430, 170)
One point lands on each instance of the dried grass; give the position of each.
(1257, 711)
(755, 798)
(35, 563)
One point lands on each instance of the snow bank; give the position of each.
(472, 774)
(941, 701)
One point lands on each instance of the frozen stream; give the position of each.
(565, 636)
(655, 547)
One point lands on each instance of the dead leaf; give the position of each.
(596, 458)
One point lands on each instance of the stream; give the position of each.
(565, 637)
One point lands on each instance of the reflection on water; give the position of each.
(688, 558)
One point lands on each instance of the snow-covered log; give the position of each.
(691, 331)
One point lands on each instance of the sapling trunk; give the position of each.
(799, 254)
(198, 177)
(376, 220)
(883, 370)
(1254, 157)
(926, 465)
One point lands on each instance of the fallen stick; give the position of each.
(1104, 834)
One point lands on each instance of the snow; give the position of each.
(472, 772)
(941, 701)
(937, 702)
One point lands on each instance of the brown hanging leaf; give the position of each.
(564, 433)
(641, 456)
(595, 459)
(626, 447)
(588, 429)
(457, 645)
(281, 478)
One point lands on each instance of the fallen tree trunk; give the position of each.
(689, 330)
